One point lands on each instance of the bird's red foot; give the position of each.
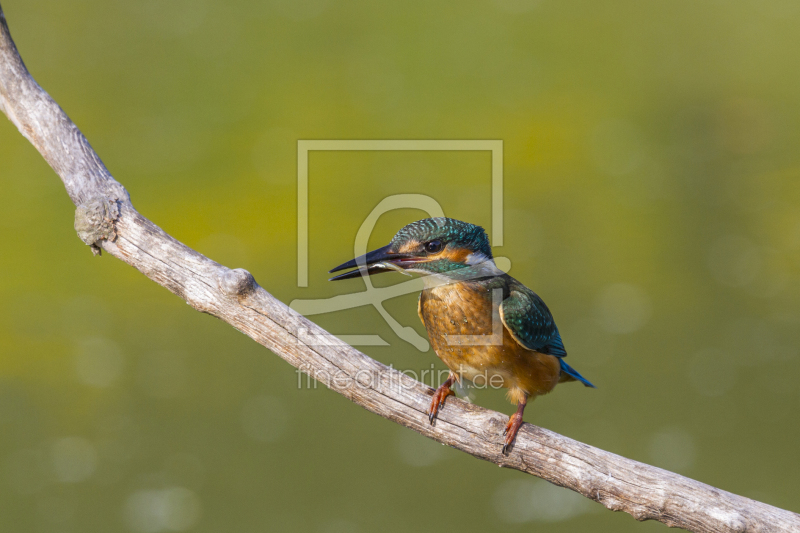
(511, 430)
(514, 424)
(437, 401)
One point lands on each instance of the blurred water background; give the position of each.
(652, 182)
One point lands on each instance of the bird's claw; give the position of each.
(511, 430)
(437, 402)
(434, 411)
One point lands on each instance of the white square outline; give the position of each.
(304, 146)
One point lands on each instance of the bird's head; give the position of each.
(441, 246)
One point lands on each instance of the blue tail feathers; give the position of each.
(568, 370)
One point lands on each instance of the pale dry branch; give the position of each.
(105, 219)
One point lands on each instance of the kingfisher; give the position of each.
(485, 326)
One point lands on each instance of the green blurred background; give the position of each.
(652, 197)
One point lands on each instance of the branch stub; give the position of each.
(94, 221)
(237, 282)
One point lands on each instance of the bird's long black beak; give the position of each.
(373, 263)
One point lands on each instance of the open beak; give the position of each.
(375, 262)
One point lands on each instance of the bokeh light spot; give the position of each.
(98, 362)
(74, 459)
(264, 418)
(523, 500)
(416, 450)
(623, 308)
(673, 449)
(170, 509)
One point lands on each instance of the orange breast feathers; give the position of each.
(466, 332)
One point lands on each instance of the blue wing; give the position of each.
(530, 322)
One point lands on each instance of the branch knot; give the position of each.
(237, 282)
(95, 221)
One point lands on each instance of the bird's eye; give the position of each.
(433, 246)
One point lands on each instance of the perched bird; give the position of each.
(483, 324)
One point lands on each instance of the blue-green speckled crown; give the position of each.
(449, 231)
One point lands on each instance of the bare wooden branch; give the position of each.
(106, 219)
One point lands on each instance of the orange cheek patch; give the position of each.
(409, 247)
(459, 255)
